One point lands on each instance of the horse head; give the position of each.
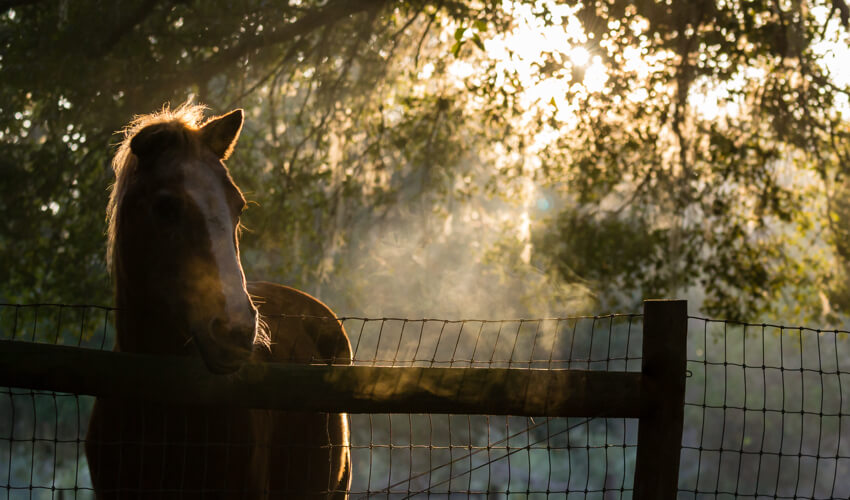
(174, 224)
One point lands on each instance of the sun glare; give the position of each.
(579, 56)
(560, 47)
(533, 44)
(595, 76)
(835, 52)
(574, 71)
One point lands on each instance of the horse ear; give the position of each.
(148, 140)
(221, 133)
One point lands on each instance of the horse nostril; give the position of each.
(243, 338)
(225, 333)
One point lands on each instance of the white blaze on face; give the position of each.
(205, 188)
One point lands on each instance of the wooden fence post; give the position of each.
(663, 367)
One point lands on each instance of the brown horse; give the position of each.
(180, 290)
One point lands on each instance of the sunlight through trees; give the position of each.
(512, 157)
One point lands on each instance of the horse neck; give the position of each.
(144, 322)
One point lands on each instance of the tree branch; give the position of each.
(333, 12)
(126, 26)
(843, 11)
(8, 4)
(424, 34)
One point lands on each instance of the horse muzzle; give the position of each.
(225, 347)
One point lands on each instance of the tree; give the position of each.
(706, 194)
(366, 119)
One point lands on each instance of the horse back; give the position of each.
(301, 328)
(309, 452)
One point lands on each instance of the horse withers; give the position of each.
(180, 290)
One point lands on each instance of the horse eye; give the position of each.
(167, 207)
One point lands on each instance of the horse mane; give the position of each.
(186, 117)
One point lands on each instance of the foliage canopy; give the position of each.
(464, 157)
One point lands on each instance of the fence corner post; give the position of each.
(663, 370)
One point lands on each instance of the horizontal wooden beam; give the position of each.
(353, 389)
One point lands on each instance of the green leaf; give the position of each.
(477, 41)
(456, 48)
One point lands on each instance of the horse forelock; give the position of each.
(186, 117)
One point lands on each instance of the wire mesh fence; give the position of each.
(42, 434)
(766, 411)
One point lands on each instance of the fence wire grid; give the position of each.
(42, 433)
(765, 411)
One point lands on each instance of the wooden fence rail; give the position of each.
(655, 395)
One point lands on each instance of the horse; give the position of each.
(180, 289)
